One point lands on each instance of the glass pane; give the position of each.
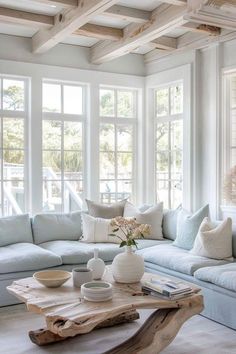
(73, 99)
(162, 136)
(107, 137)
(107, 165)
(124, 137)
(73, 165)
(125, 104)
(107, 192)
(176, 164)
(233, 128)
(233, 91)
(162, 102)
(52, 98)
(52, 201)
(176, 194)
(124, 190)
(73, 192)
(51, 134)
(13, 164)
(51, 165)
(13, 95)
(72, 136)
(176, 99)
(162, 188)
(107, 103)
(163, 163)
(177, 135)
(14, 197)
(124, 165)
(13, 133)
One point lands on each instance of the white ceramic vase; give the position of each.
(96, 265)
(128, 267)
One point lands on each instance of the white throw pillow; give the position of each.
(214, 241)
(152, 216)
(97, 230)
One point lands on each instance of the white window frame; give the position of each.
(26, 116)
(119, 121)
(166, 119)
(165, 78)
(65, 117)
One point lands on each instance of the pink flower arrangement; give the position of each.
(130, 230)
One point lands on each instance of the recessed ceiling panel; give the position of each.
(80, 40)
(31, 6)
(17, 30)
(147, 5)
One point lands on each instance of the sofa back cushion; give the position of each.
(169, 223)
(52, 227)
(15, 229)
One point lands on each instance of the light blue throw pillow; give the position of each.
(15, 229)
(169, 223)
(187, 227)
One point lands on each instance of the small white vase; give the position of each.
(128, 267)
(96, 265)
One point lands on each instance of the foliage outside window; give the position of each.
(169, 144)
(13, 118)
(229, 172)
(117, 138)
(63, 116)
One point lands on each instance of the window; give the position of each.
(229, 154)
(63, 162)
(13, 143)
(169, 144)
(117, 140)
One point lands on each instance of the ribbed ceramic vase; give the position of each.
(128, 267)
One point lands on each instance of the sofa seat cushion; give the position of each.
(224, 275)
(26, 256)
(177, 259)
(76, 252)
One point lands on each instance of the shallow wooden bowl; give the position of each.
(52, 278)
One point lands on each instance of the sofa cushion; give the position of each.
(50, 227)
(26, 256)
(152, 216)
(74, 252)
(14, 229)
(177, 259)
(99, 210)
(169, 223)
(224, 275)
(214, 241)
(187, 227)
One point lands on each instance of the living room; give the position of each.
(118, 176)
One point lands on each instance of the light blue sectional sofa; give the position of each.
(52, 241)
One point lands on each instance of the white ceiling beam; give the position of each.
(67, 22)
(99, 32)
(23, 17)
(164, 43)
(165, 19)
(63, 3)
(128, 14)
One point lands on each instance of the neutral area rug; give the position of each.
(198, 336)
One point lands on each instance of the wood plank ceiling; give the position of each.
(198, 22)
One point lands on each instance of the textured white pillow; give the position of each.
(97, 230)
(214, 241)
(152, 216)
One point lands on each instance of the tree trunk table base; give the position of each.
(68, 315)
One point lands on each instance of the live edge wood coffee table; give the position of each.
(68, 315)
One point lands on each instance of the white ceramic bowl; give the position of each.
(52, 278)
(96, 291)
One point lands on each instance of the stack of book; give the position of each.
(166, 288)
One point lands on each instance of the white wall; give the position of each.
(71, 56)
